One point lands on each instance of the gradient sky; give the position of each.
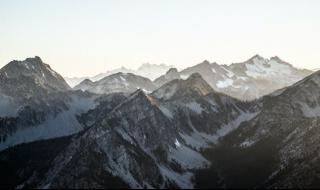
(81, 38)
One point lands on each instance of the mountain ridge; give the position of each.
(182, 134)
(246, 80)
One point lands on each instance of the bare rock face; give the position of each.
(171, 74)
(39, 75)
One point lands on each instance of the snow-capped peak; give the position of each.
(257, 57)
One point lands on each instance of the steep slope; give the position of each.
(203, 113)
(135, 130)
(53, 117)
(298, 150)
(247, 80)
(29, 77)
(167, 134)
(206, 70)
(281, 142)
(119, 82)
(36, 103)
(74, 81)
(26, 81)
(170, 75)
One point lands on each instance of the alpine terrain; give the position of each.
(248, 80)
(36, 103)
(246, 125)
(151, 71)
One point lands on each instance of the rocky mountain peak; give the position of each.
(172, 70)
(278, 60)
(193, 85)
(195, 76)
(118, 82)
(256, 59)
(35, 59)
(86, 82)
(196, 82)
(35, 70)
(170, 75)
(136, 101)
(205, 63)
(138, 93)
(257, 56)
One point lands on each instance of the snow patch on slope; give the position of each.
(225, 129)
(120, 167)
(310, 111)
(266, 68)
(224, 83)
(64, 124)
(247, 143)
(195, 107)
(182, 180)
(7, 107)
(187, 157)
(166, 111)
(195, 140)
(184, 77)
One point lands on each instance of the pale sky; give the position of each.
(84, 38)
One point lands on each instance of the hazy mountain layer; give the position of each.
(151, 71)
(246, 81)
(119, 82)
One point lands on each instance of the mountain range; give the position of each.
(119, 82)
(247, 125)
(151, 71)
(247, 80)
